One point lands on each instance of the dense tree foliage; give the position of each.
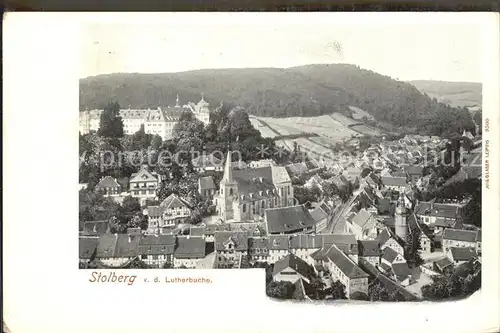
(462, 282)
(111, 125)
(280, 289)
(317, 90)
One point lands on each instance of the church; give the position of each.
(244, 195)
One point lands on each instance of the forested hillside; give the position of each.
(300, 91)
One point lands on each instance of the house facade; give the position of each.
(231, 249)
(188, 252)
(171, 211)
(108, 186)
(453, 238)
(144, 184)
(343, 269)
(157, 250)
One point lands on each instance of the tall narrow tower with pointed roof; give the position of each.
(400, 217)
(177, 104)
(228, 190)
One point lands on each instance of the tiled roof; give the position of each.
(279, 174)
(401, 271)
(295, 263)
(278, 242)
(462, 253)
(106, 246)
(258, 243)
(173, 201)
(155, 211)
(304, 241)
(383, 237)
(239, 238)
(143, 176)
(87, 246)
(362, 219)
(437, 209)
(318, 214)
(442, 222)
(346, 265)
(288, 219)
(157, 245)
(133, 114)
(108, 181)
(389, 254)
(297, 168)
(189, 247)
(197, 231)
(368, 248)
(254, 180)
(206, 183)
(127, 246)
(443, 263)
(393, 181)
(460, 235)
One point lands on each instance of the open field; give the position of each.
(264, 130)
(323, 125)
(345, 121)
(358, 113)
(365, 130)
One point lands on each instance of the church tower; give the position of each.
(228, 191)
(401, 216)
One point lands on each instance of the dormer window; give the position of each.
(260, 193)
(251, 195)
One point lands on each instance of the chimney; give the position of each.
(187, 236)
(261, 179)
(129, 238)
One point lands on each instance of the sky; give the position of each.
(405, 50)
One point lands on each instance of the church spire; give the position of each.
(228, 169)
(177, 102)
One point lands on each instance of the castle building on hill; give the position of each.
(244, 195)
(160, 121)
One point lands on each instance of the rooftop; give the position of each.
(288, 219)
(346, 265)
(295, 263)
(460, 235)
(189, 247)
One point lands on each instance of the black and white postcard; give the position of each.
(240, 168)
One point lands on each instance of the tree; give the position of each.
(359, 296)
(280, 289)
(111, 125)
(337, 290)
(156, 142)
(413, 247)
(378, 292)
(131, 205)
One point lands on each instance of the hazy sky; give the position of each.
(412, 51)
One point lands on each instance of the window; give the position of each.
(263, 204)
(230, 191)
(244, 208)
(288, 190)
